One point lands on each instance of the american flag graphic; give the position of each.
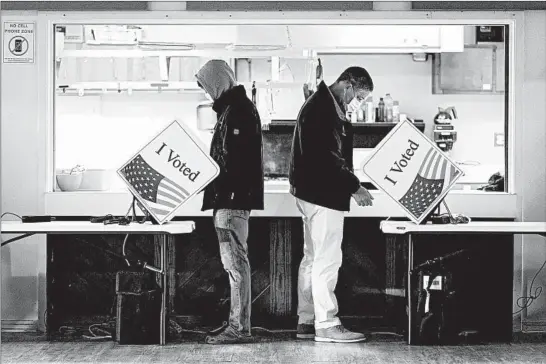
(162, 194)
(435, 175)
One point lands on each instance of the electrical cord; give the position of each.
(71, 330)
(468, 163)
(449, 218)
(18, 237)
(67, 330)
(45, 319)
(526, 301)
(12, 214)
(123, 249)
(110, 219)
(457, 218)
(126, 220)
(272, 331)
(107, 334)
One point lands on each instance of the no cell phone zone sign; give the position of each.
(18, 42)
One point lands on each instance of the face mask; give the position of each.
(354, 105)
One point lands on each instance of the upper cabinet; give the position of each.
(480, 69)
(378, 38)
(237, 41)
(116, 58)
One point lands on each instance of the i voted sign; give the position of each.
(168, 171)
(411, 170)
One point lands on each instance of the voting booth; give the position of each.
(409, 168)
(417, 175)
(168, 171)
(162, 176)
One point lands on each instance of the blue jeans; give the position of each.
(232, 230)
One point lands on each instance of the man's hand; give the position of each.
(363, 197)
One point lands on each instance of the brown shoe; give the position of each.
(305, 331)
(228, 336)
(338, 334)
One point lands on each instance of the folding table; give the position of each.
(83, 227)
(410, 229)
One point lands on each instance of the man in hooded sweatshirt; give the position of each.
(322, 181)
(239, 188)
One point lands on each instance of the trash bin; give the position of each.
(138, 308)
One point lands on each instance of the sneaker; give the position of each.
(305, 331)
(228, 336)
(338, 334)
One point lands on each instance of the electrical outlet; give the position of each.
(499, 139)
(436, 283)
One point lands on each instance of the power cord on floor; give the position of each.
(272, 331)
(71, 330)
(67, 330)
(45, 320)
(107, 334)
(526, 301)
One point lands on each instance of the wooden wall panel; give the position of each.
(280, 277)
(81, 273)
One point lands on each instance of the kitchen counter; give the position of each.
(279, 202)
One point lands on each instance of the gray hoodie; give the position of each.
(216, 77)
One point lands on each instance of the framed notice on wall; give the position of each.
(168, 171)
(412, 170)
(18, 42)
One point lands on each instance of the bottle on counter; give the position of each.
(360, 113)
(319, 72)
(380, 117)
(254, 92)
(370, 110)
(396, 112)
(354, 116)
(388, 108)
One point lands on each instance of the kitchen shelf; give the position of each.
(418, 125)
(94, 88)
(272, 84)
(211, 53)
(283, 126)
(285, 122)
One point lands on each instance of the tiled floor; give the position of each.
(283, 351)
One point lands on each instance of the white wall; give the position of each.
(23, 263)
(23, 159)
(105, 131)
(480, 116)
(139, 115)
(533, 150)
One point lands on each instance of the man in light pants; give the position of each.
(322, 181)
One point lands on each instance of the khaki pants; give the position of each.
(318, 272)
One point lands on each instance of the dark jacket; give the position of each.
(321, 163)
(237, 148)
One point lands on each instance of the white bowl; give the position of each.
(97, 179)
(69, 182)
